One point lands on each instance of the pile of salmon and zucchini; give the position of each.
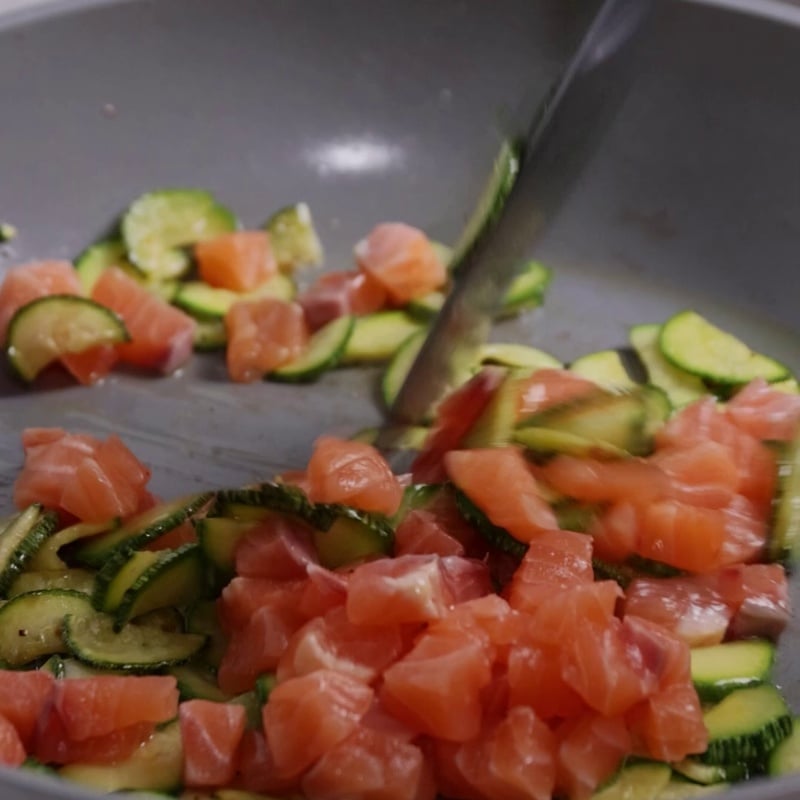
(575, 591)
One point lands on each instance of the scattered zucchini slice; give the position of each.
(135, 648)
(324, 351)
(48, 557)
(785, 758)
(78, 580)
(710, 774)
(680, 387)
(495, 426)
(160, 226)
(58, 325)
(97, 258)
(20, 538)
(218, 537)
(719, 669)
(746, 726)
(210, 334)
(398, 368)
(491, 201)
(692, 343)
(294, 240)
(527, 290)
(517, 356)
(784, 537)
(605, 368)
(643, 781)
(31, 624)
(496, 536)
(207, 302)
(348, 536)
(156, 766)
(377, 337)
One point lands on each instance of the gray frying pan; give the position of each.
(372, 110)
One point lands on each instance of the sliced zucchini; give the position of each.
(159, 227)
(425, 308)
(261, 501)
(117, 575)
(605, 368)
(324, 351)
(294, 240)
(95, 260)
(643, 781)
(623, 421)
(79, 580)
(203, 619)
(31, 624)
(47, 557)
(176, 578)
(527, 290)
(495, 535)
(209, 302)
(57, 325)
(138, 531)
(678, 789)
(548, 442)
(402, 437)
(218, 537)
(681, 387)
(719, 669)
(349, 536)
(155, 766)
(210, 334)
(785, 758)
(20, 538)
(708, 774)
(495, 426)
(491, 201)
(196, 682)
(517, 356)
(398, 368)
(94, 640)
(376, 337)
(784, 535)
(692, 343)
(264, 686)
(746, 726)
(8, 232)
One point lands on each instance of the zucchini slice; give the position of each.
(135, 648)
(547, 442)
(97, 258)
(495, 426)
(785, 758)
(159, 226)
(79, 580)
(784, 536)
(680, 387)
(709, 774)
(344, 536)
(643, 781)
(294, 240)
(197, 682)
(605, 368)
(402, 437)
(377, 337)
(203, 619)
(174, 578)
(398, 368)
(137, 531)
(209, 302)
(156, 766)
(218, 537)
(719, 669)
(517, 356)
(325, 350)
(746, 726)
(692, 343)
(210, 334)
(527, 290)
(425, 308)
(261, 501)
(47, 557)
(20, 539)
(57, 325)
(491, 201)
(31, 624)
(678, 789)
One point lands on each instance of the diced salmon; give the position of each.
(339, 293)
(239, 261)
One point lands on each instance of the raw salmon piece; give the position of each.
(162, 336)
(338, 293)
(210, 734)
(12, 751)
(402, 260)
(239, 261)
(764, 412)
(308, 716)
(263, 335)
(256, 768)
(551, 387)
(499, 482)
(31, 281)
(279, 548)
(242, 597)
(23, 697)
(420, 533)
(92, 365)
(354, 473)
